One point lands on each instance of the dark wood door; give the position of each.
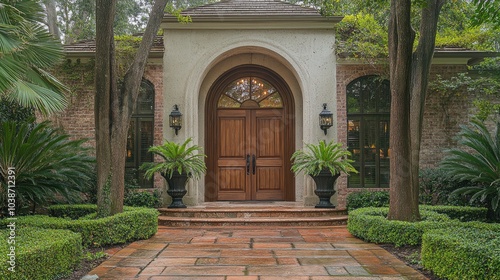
(250, 154)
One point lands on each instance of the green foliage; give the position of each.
(48, 166)
(26, 49)
(461, 213)
(13, 112)
(142, 199)
(74, 211)
(132, 224)
(40, 253)
(176, 157)
(331, 156)
(462, 253)
(474, 38)
(436, 187)
(95, 256)
(364, 199)
(371, 224)
(360, 35)
(477, 161)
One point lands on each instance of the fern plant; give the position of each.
(478, 162)
(315, 158)
(176, 158)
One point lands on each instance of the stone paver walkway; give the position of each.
(314, 253)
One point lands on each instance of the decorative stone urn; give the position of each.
(325, 184)
(176, 188)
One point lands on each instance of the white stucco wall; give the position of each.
(195, 58)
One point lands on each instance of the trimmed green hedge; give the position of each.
(73, 212)
(461, 213)
(372, 225)
(40, 253)
(133, 224)
(364, 199)
(463, 253)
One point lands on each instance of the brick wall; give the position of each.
(442, 116)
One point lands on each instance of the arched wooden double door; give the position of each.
(249, 136)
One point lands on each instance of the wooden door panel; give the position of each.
(268, 182)
(269, 137)
(231, 178)
(232, 137)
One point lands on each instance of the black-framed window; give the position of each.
(140, 135)
(368, 122)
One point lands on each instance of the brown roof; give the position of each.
(251, 8)
(83, 47)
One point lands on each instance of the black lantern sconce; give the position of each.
(325, 119)
(175, 119)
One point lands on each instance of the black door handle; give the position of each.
(248, 164)
(254, 164)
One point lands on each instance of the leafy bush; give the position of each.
(436, 187)
(363, 199)
(40, 253)
(371, 224)
(142, 199)
(47, 164)
(461, 213)
(133, 224)
(478, 162)
(462, 253)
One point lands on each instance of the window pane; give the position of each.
(226, 102)
(272, 101)
(146, 140)
(239, 90)
(354, 98)
(261, 89)
(353, 139)
(131, 143)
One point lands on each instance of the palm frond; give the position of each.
(176, 157)
(478, 161)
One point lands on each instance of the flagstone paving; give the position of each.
(255, 253)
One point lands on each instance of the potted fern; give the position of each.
(324, 162)
(179, 164)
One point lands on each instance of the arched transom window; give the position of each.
(250, 92)
(368, 116)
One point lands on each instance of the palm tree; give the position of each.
(26, 50)
(478, 162)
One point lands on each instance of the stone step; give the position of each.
(253, 221)
(271, 212)
(251, 214)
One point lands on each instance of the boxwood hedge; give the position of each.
(372, 225)
(463, 253)
(133, 224)
(39, 253)
(461, 213)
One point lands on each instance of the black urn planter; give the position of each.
(176, 188)
(325, 183)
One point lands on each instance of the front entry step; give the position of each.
(255, 215)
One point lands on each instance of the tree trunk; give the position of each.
(401, 37)
(422, 59)
(118, 105)
(105, 84)
(50, 9)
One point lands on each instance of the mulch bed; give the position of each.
(411, 256)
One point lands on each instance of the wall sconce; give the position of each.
(175, 119)
(325, 119)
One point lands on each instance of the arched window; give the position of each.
(368, 116)
(250, 92)
(140, 135)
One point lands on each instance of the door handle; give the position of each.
(248, 164)
(253, 164)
